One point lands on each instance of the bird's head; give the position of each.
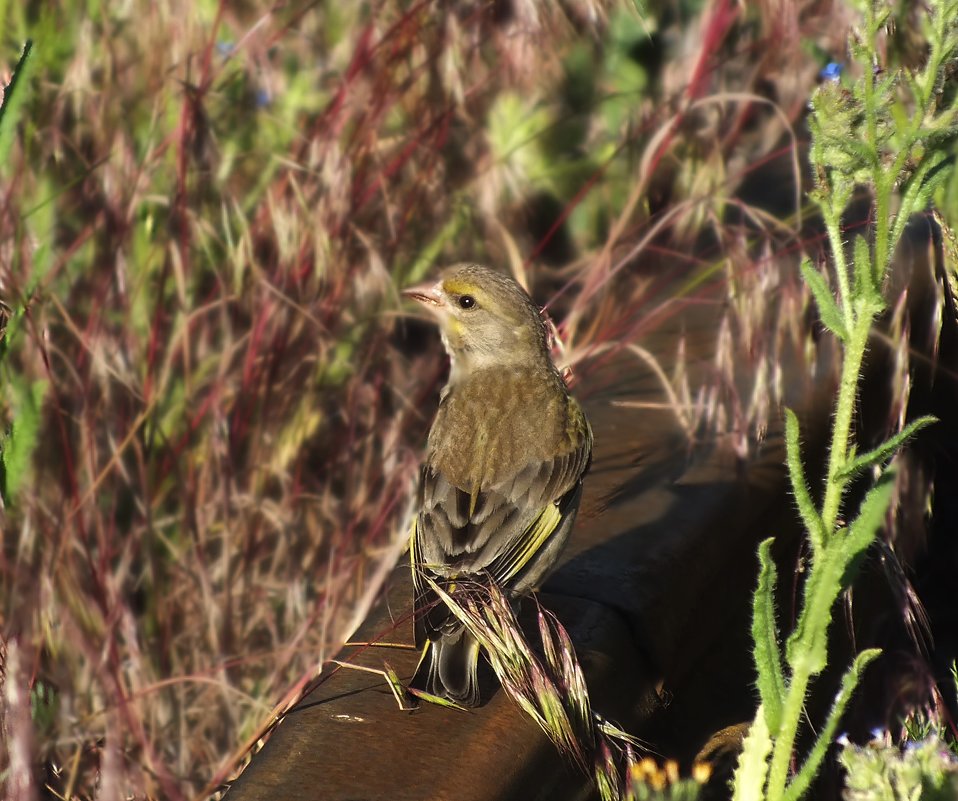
(485, 318)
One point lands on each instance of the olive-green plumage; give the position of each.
(502, 476)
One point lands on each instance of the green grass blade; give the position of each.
(18, 444)
(13, 97)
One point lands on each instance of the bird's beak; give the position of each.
(429, 294)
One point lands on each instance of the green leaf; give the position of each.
(884, 451)
(808, 641)
(796, 475)
(865, 287)
(515, 126)
(768, 660)
(930, 174)
(849, 549)
(856, 153)
(832, 573)
(14, 322)
(827, 308)
(44, 705)
(937, 176)
(799, 785)
(748, 783)
(17, 444)
(13, 98)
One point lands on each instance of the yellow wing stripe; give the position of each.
(512, 560)
(414, 556)
(528, 545)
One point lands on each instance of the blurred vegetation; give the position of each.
(212, 407)
(881, 771)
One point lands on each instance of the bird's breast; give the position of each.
(489, 428)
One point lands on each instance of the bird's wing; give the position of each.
(560, 482)
(500, 527)
(510, 526)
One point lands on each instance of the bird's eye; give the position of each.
(466, 301)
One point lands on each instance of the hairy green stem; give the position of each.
(818, 607)
(871, 120)
(785, 737)
(834, 230)
(882, 224)
(844, 410)
(885, 156)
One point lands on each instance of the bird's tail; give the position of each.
(449, 668)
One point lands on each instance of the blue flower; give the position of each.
(832, 71)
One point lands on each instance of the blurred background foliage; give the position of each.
(213, 405)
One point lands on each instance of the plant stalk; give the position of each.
(833, 229)
(788, 731)
(844, 410)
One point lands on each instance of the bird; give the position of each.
(501, 479)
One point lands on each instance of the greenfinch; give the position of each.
(502, 476)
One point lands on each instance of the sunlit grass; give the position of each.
(215, 405)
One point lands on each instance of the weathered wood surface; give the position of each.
(660, 565)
